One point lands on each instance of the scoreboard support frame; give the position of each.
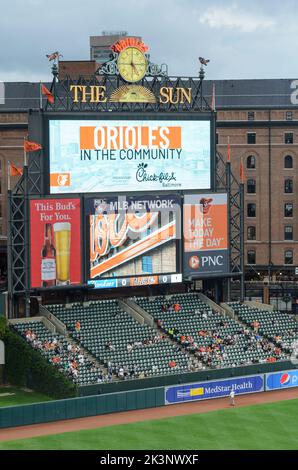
(33, 181)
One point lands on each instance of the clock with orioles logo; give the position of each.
(132, 64)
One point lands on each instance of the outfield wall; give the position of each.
(189, 377)
(140, 399)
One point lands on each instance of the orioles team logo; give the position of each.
(205, 205)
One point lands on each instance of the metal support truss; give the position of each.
(225, 180)
(32, 181)
(18, 281)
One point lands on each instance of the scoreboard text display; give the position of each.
(88, 156)
(133, 240)
(205, 228)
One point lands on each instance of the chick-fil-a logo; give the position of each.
(142, 175)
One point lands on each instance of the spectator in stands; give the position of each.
(129, 347)
(271, 359)
(172, 364)
(81, 359)
(78, 327)
(177, 307)
(170, 332)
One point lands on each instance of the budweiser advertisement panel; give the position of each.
(205, 228)
(142, 155)
(133, 240)
(55, 242)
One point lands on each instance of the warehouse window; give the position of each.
(288, 232)
(289, 138)
(251, 232)
(251, 162)
(288, 209)
(251, 257)
(251, 138)
(289, 115)
(251, 210)
(288, 186)
(289, 257)
(288, 161)
(251, 186)
(251, 115)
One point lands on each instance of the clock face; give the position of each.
(132, 64)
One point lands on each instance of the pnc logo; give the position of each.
(208, 261)
(194, 262)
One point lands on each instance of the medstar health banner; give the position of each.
(205, 228)
(55, 242)
(117, 156)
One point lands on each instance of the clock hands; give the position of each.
(134, 67)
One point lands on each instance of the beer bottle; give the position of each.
(48, 259)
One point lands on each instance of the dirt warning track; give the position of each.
(23, 432)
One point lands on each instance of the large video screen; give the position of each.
(133, 240)
(205, 227)
(90, 156)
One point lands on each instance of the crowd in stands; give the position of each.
(126, 348)
(278, 327)
(107, 344)
(214, 340)
(67, 356)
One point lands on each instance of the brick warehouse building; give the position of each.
(262, 124)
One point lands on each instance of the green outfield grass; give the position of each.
(268, 426)
(18, 396)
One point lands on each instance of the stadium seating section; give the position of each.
(115, 346)
(87, 372)
(104, 322)
(195, 316)
(275, 325)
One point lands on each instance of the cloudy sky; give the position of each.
(243, 38)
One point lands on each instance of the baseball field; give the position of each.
(262, 426)
(11, 396)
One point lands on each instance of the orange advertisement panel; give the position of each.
(205, 231)
(125, 137)
(205, 234)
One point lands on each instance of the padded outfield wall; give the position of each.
(140, 399)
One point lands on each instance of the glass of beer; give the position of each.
(62, 244)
